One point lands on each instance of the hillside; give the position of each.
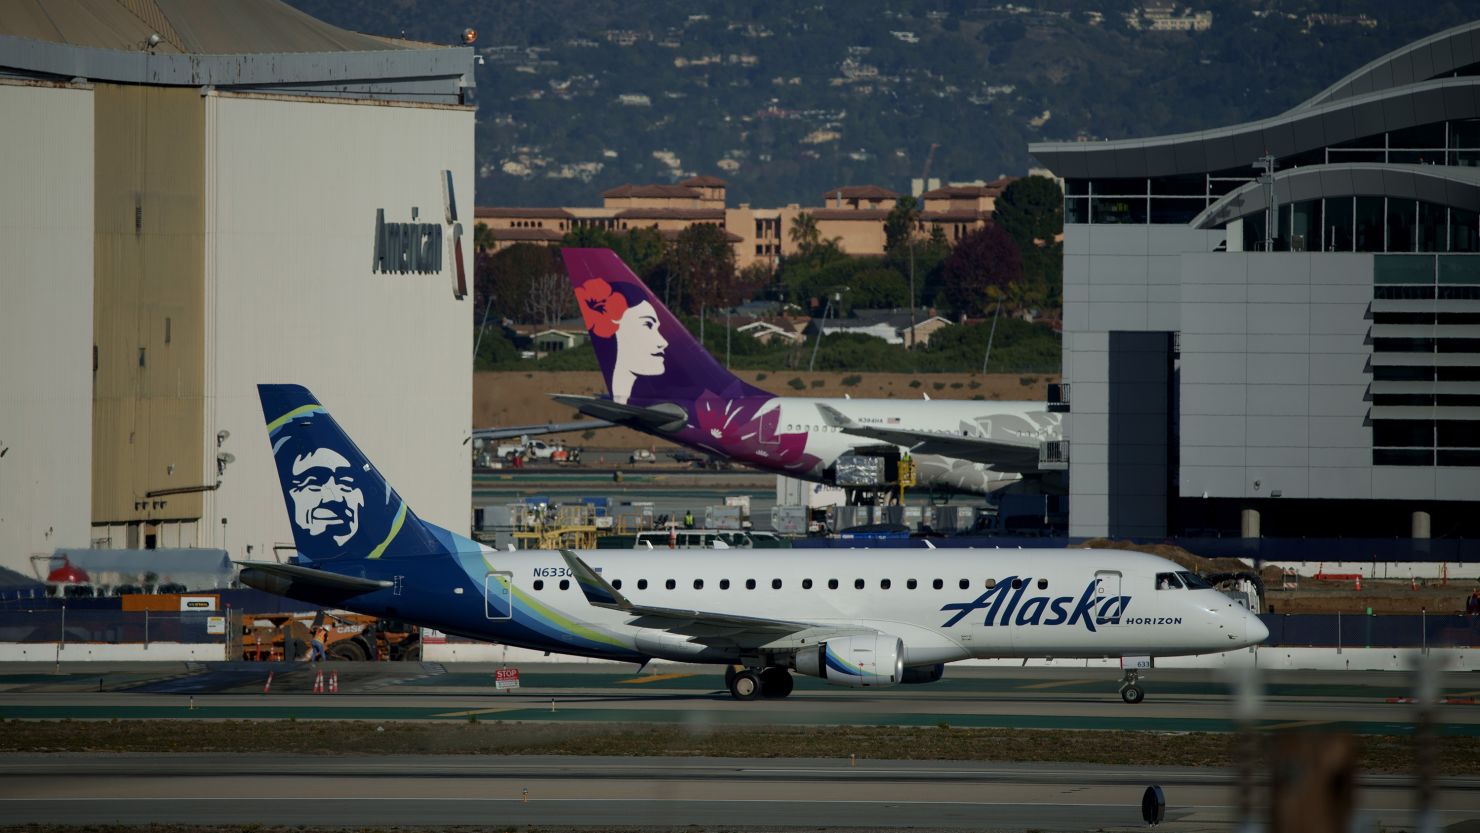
(786, 101)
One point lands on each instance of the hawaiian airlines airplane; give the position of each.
(663, 382)
(855, 618)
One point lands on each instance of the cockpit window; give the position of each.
(1168, 581)
(1195, 581)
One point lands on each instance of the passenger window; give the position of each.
(832, 584)
(884, 584)
(565, 584)
(698, 584)
(616, 584)
(670, 584)
(911, 584)
(965, 584)
(858, 584)
(642, 584)
(990, 583)
(775, 584)
(1017, 583)
(539, 585)
(724, 584)
(937, 584)
(806, 584)
(750, 584)
(1168, 581)
(1043, 584)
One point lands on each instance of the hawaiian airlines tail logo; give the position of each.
(1006, 597)
(626, 332)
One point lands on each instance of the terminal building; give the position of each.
(196, 198)
(1274, 328)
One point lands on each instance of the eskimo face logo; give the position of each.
(326, 499)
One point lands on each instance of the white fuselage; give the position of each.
(939, 603)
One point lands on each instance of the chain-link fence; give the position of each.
(111, 627)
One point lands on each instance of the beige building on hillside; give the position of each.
(853, 215)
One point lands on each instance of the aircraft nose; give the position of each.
(1255, 631)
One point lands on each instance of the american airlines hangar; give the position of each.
(199, 197)
(1271, 328)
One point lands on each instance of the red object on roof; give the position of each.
(68, 574)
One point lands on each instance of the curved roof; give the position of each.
(217, 27)
(241, 45)
(1433, 57)
(1287, 134)
(1452, 186)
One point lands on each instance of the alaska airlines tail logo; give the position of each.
(1001, 600)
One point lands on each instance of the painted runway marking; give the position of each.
(1057, 684)
(654, 678)
(480, 711)
(1294, 724)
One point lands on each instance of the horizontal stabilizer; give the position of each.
(1001, 455)
(265, 575)
(664, 417)
(515, 432)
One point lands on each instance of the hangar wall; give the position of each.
(292, 191)
(46, 303)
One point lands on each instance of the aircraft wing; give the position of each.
(664, 418)
(699, 626)
(517, 431)
(259, 573)
(999, 454)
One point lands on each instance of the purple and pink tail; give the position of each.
(646, 355)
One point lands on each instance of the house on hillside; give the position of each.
(892, 326)
(765, 332)
(555, 340)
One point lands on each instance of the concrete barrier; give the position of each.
(90, 651)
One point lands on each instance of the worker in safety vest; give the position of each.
(316, 646)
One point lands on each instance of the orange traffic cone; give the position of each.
(1359, 582)
(268, 687)
(318, 683)
(333, 682)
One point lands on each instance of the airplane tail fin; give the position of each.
(646, 355)
(340, 506)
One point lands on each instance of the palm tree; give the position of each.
(804, 232)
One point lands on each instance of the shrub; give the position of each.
(816, 383)
(939, 385)
(851, 380)
(760, 377)
(796, 384)
(915, 383)
(956, 386)
(975, 384)
(1027, 381)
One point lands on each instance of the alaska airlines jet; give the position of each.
(855, 618)
(663, 382)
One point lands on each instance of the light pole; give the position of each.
(836, 296)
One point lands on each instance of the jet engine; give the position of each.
(855, 661)
(923, 674)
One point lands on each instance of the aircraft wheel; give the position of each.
(776, 682)
(730, 672)
(746, 685)
(1132, 694)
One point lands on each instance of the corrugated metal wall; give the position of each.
(46, 255)
(292, 196)
(147, 405)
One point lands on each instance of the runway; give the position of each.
(1177, 700)
(649, 793)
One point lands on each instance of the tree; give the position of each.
(879, 287)
(701, 269)
(899, 226)
(804, 233)
(985, 267)
(591, 237)
(527, 283)
(482, 237)
(1031, 210)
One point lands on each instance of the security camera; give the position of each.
(226, 457)
(154, 39)
(222, 436)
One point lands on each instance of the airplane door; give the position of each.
(498, 595)
(1107, 586)
(770, 428)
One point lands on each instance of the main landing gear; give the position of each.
(1129, 690)
(751, 683)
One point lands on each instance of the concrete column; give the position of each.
(1421, 523)
(1250, 524)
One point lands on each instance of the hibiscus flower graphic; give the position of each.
(738, 428)
(600, 307)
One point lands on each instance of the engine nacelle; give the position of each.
(855, 661)
(923, 674)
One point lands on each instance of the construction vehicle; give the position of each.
(353, 637)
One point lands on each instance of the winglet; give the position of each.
(834, 417)
(595, 588)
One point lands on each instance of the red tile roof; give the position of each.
(670, 191)
(532, 235)
(671, 214)
(967, 216)
(523, 213)
(704, 182)
(848, 213)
